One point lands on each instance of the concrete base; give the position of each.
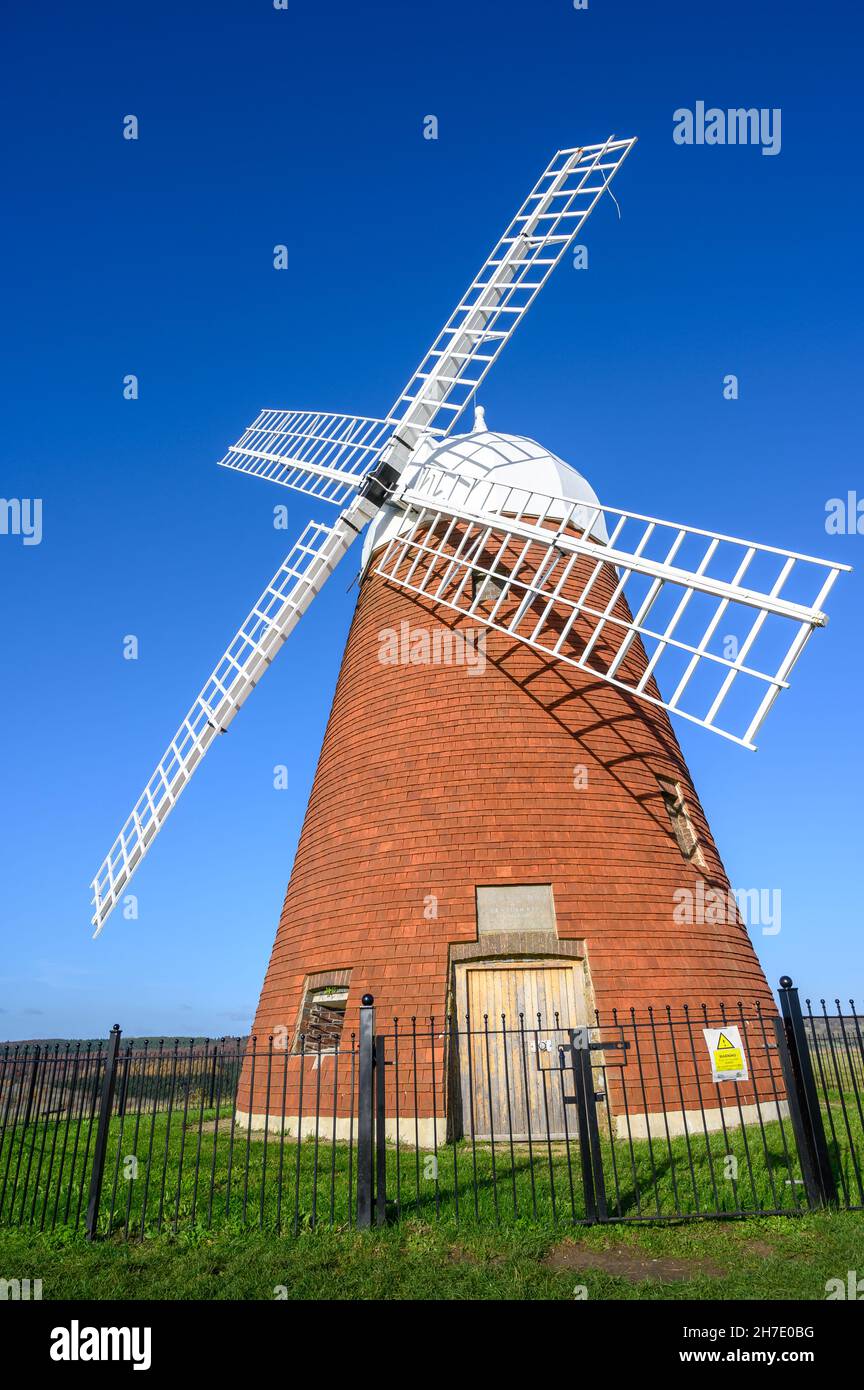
(429, 1134)
(422, 1135)
(657, 1126)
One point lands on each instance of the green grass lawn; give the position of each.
(228, 1214)
(768, 1258)
(171, 1172)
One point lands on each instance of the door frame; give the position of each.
(460, 1074)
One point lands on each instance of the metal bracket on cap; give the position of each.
(379, 484)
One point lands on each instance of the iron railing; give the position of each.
(834, 1041)
(490, 1120)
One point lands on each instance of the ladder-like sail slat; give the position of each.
(718, 620)
(506, 286)
(271, 620)
(319, 453)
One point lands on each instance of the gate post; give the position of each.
(365, 1112)
(590, 1156)
(591, 1099)
(380, 1140)
(101, 1146)
(804, 1099)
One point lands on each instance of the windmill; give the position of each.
(540, 820)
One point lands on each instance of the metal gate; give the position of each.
(651, 1131)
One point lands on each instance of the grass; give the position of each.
(169, 1172)
(166, 1172)
(238, 1220)
(771, 1258)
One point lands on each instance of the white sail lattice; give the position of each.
(722, 621)
(238, 670)
(319, 453)
(328, 455)
(502, 292)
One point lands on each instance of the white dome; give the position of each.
(506, 461)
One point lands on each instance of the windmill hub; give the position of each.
(485, 465)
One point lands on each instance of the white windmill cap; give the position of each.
(506, 461)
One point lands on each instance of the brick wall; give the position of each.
(433, 780)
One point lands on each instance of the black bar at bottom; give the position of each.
(380, 1137)
(101, 1146)
(365, 1112)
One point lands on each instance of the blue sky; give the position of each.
(154, 257)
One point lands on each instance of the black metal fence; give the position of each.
(493, 1121)
(836, 1049)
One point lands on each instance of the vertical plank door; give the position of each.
(519, 1016)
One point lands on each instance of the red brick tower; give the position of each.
(491, 827)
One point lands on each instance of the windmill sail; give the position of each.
(506, 286)
(328, 455)
(323, 454)
(299, 578)
(334, 456)
(716, 621)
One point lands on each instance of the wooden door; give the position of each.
(519, 1014)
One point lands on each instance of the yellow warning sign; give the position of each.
(726, 1050)
(727, 1057)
